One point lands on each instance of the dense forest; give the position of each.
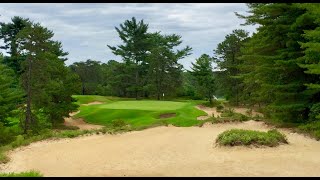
(276, 69)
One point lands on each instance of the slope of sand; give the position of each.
(213, 111)
(168, 151)
(210, 111)
(92, 103)
(79, 123)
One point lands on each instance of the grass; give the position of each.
(22, 174)
(85, 99)
(228, 115)
(312, 128)
(141, 114)
(145, 105)
(240, 137)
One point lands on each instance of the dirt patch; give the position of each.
(214, 111)
(209, 111)
(243, 111)
(168, 151)
(167, 115)
(93, 103)
(79, 123)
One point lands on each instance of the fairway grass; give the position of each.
(139, 114)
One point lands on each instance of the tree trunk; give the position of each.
(137, 82)
(28, 111)
(82, 88)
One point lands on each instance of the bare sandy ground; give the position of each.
(93, 103)
(213, 111)
(168, 151)
(242, 110)
(79, 123)
(210, 111)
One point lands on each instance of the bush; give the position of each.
(7, 134)
(237, 137)
(229, 112)
(314, 112)
(118, 123)
(64, 127)
(219, 108)
(228, 115)
(214, 103)
(312, 128)
(22, 174)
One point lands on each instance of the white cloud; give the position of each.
(86, 29)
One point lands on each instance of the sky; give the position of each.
(85, 29)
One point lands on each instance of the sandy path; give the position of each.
(168, 151)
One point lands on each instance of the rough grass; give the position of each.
(85, 99)
(312, 128)
(140, 114)
(228, 115)
(214, 103)
(22, 174)
(240, 137)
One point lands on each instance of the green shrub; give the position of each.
(230, 116)
(219, 108)
(22, 174)
(18, 142)
(118, 123)
(229, 112)
(61, 126)
(312, 128)
(3, 157)
(7, 135)
(72, 133)
(236, 137)
(214, 103)
(314, 112)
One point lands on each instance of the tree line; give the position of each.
(276, 68)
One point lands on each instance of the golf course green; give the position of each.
(137, 113)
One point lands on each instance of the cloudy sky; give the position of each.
(85, 30)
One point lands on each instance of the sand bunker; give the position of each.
(93, 103)
(168, 115)
(213, 110)
(209, 111)
(168, 151)
(244, 111)
(79, 123)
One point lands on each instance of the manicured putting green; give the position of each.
(144, 105)
(141, 113)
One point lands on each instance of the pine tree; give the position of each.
(134, 50)
(271, 59)
(202, 70)
(227, 54)
(10, 94)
